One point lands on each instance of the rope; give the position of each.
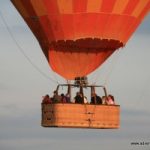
(23, 53)
(110, 69)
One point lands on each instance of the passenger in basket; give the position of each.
(110, 100)
(78, 98)
(95, 99)
(68, 98)
(46, 99)
(63, 98)
(56, 98)
(104, 100)
(85, 100)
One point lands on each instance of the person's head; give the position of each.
(47, 95)
(110, 97)
(62, 95)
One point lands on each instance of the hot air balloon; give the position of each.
(77, 36)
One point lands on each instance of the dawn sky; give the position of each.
(126, 75)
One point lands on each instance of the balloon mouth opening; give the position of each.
(86, 44)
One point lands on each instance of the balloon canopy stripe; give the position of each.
(52, 21)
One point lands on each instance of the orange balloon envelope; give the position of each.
(77, 36)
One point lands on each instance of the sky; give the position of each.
(126, 75)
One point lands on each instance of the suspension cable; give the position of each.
(110, 69)
(22, 51)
